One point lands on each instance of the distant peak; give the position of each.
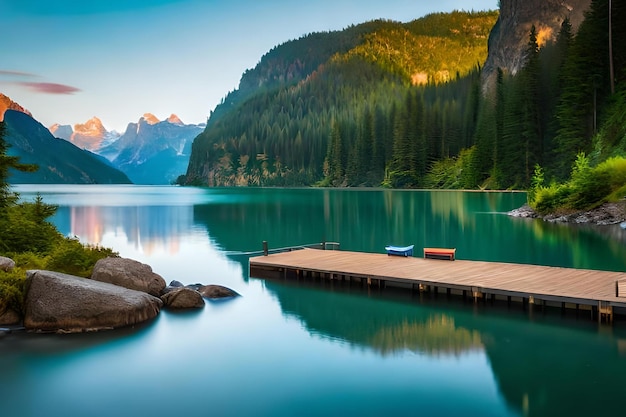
(150, 118)
(61, 131)
(173, 119)
(90, 127)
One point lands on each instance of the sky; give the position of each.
(69, 60)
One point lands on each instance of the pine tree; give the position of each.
(531, 125)
(7, 163)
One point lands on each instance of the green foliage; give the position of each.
(451, 173)
(536, 182)
(72, 257)
(551, 198)
(587, 188)
(34, 243)
(12, 287)
(25, 228)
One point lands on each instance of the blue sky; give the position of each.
(69, 60)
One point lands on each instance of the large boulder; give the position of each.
(128, 273)
(57, 302)
(216, 291)
(183, 298)
(6, 264)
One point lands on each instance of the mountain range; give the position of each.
(58, 161)
(150, 151)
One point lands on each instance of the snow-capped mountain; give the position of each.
(91, 135)
(153, 151)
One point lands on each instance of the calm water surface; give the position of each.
(313, 349)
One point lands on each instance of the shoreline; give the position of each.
(605, 215)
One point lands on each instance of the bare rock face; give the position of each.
(183, 298)
(6, 264)
(128, 273)
(216, 291)
(57, 302)
(509, 37)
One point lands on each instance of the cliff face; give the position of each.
(509, 37)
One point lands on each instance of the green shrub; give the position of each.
(587, 188)
(72, 257)
(551, 198)
(12, 287)
(24, 229)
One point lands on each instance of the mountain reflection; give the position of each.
(437, 336)
(150, 228)
(387, 327)
(541, 366)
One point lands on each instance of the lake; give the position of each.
(308, 349)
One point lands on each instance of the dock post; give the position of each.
(265, 249)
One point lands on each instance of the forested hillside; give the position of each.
(401, 105)
(275, 129)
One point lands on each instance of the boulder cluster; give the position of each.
(121, 292)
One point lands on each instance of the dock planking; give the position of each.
(533, 284)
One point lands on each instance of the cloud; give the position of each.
(50, 88)
(17, 74)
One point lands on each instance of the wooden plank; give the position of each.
(542, 282)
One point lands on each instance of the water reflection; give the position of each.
(343, 312)
(437, 336)
(150, 228)
(541, 366)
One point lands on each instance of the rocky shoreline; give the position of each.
(604, 215)
(121, 292)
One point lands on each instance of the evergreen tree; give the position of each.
(585, 87)
(6, 163)
(531, 110)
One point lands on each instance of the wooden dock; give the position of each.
(595, 291)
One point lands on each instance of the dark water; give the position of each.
(314, 349)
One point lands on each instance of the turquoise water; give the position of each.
(311, 349)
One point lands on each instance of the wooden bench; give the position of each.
(439, 253)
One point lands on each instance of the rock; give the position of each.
(6, 264)
(182, 298)
(508, 39)
(57, 302)
(9, 316)
(216, 291)
(128, 273)
(174, 285)
(605, 214)
(194, 286)
(525, 212)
